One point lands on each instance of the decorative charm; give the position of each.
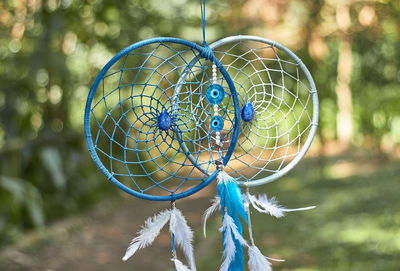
(164, 121)
(215, 94)
(248, 112)
(217, 123)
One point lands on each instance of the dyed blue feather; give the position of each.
(231, 199)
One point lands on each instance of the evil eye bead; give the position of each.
(248, 112)
(217, 123)
(215, 94)
(164, 121)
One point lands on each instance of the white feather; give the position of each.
(148, 233)
(183, 236)
(179, 266)
(257, 261)
(214, 206)
(229, 244)
(271, 206)
(231, 232)
(230, 224)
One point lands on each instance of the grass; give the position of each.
(356, 225)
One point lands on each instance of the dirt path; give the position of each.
(98, 240)
(355, 195)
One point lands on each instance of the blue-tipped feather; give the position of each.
(231, 199)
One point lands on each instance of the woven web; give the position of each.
(280, 94)
(124, 119)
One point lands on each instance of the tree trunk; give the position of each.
(344, 119)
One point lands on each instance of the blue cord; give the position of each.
(203, 19)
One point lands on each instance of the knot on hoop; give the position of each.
(206, 52)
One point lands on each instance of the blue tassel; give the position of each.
(231, 200)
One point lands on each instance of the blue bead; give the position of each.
(217, 123)
(248, 112)
(215, 94)
(164, 121)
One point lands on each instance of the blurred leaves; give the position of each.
(19, 198)
(52, 161)
(50, 52)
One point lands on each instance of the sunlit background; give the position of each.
(57, 212)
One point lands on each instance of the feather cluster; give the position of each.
(231, 202)
(235, 205)
(270, 206)
(257, 261)
(178, 227)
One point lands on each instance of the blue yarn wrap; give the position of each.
(231, 198)
(206, 52)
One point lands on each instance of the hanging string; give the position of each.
(173, 237)
(247, 208)
(206, 52)
(203, 19)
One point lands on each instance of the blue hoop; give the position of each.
(203, 52)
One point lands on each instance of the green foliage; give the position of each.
(376, 79)
(57, 181)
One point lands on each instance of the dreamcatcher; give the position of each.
(150, 140)
(165, 116)
(279, 112)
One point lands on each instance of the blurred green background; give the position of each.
(50, 52)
